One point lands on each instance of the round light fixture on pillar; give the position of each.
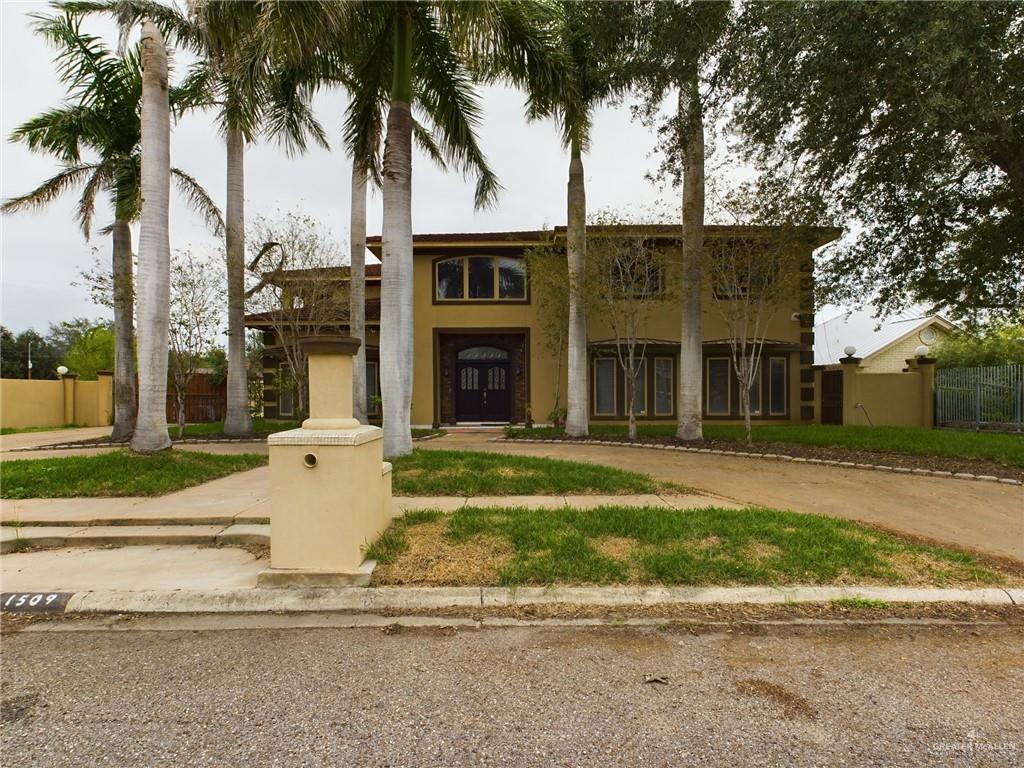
(849, 350)
(921, 351)
(62, 369)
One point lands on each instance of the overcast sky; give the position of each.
(44, 251)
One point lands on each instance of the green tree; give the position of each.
(15, 353)
(909, 120)
(1000, 344)
(92, 351)
(95, 135)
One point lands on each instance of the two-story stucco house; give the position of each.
(479, 358)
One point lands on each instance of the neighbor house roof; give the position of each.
(267, 319)
(867, 333)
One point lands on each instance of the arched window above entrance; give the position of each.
(483, 353)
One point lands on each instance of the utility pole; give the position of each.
(30, 361)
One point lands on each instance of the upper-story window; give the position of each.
(479, 278)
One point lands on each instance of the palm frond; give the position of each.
(371, 63)
(86, 207)
(426, 142)
(447, 97)
(199, 199)
(50, 189)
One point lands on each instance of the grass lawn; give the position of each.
(657, 545)
(117, 473)
(259, 426)
(1005, 449)
(467, 473)
(19, 430)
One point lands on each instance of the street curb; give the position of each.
(772, 456)
(257, 600)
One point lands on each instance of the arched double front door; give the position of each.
(483, 385)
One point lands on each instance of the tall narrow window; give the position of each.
(450, 278)
(719, 374)
(664, 373)
(372, 389)
(639, 387)
(777, 386)
(481, 277)
(604, 386)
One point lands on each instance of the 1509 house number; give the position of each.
(35, 602)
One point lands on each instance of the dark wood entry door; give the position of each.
(483, 391)
(832, 397)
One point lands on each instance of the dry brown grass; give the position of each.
(432, 559)
(761, 550)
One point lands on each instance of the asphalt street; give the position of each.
(892, 696)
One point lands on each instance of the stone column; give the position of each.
(68, 380)
(330, 486)
(851, 371)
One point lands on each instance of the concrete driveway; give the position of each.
(983, 516)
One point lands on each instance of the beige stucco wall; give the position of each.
(893, 358)
(41, 403)
(904, 399)
(663, 324)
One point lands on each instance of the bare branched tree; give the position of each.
(295, 284)
(197, 288)
(627, 280)
(549, 287)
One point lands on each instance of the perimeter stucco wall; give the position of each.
(905, 399)
(28, 403)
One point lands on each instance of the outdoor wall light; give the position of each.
(849, 350)
(62, 369)
(921, 351)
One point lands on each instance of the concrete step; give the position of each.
(50, 537)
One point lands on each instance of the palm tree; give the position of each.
(154, 247)
(236, 42)
(425, 55)
(674, 41)
(592, 76)
(102, 117)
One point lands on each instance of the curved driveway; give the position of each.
(979, 515)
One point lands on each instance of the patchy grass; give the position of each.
(19, 430)
(418, 434)
(467, 473)
(658, 545)
(1005, 449)
(117, 473)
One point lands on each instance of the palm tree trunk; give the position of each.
(396, 322)
(237, 419)
(154, 247)
(690, 333)
(576, 422)
(357, 289)
(124, 332)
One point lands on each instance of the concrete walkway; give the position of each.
(20, 440)
(985, 516)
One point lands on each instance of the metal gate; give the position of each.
(984, 397)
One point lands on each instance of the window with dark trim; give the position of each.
(755, 390)
(777, 386)
(718, 395)
(604, 386)
(664, 381)
(639, 388)
(479, 278)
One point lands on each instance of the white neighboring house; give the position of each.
(884, 345)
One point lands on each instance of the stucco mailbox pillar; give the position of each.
(330, 486)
